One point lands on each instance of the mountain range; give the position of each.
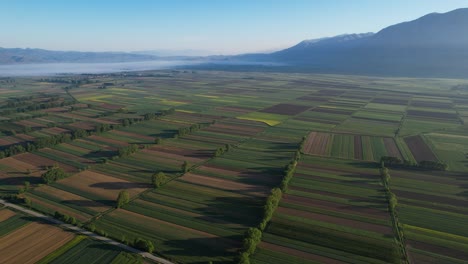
(435, 45)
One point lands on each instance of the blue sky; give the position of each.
(216, 26)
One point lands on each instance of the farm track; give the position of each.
(82, 231)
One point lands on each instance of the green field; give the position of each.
(224, 140)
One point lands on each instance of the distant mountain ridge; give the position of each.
(17, 56)
(435, 45)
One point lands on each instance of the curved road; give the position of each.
(85, 232)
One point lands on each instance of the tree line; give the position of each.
(253, 235)
(395, 162)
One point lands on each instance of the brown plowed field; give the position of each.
(392, 148)
(420, 149)
(55, 130)
(357, 147)
(444, 251)
(190, 155)
(84, 125)
(431, 198)
(317, 143)
(285, 109)
(108, 140)
(298, 253)
(5, 214)
(25, 137)
(133, 135)
(224, 184)
(102, 185)
(31, 243)
(42, 162)
(237, 173)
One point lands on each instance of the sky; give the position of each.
(203, 26)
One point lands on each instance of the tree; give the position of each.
(53, 174)
(158, 179)
(157, 141)
(123, 198)
(185, 167)
(27, 201)
(144, 244)
(27, 185)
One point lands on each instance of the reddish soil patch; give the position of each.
(25, 137)
(357, 147)
(6, 141)
(438, 249)
(317, 143)
(133, 135)
(42, 162)
(55, 130)
(392, 148)
(332, 206)
(110, 106)
(238, 173)
(240, 110)
(102, 185)
(31, 124)
(298, 253)
(285, 109)
(108, 140)
(32, 242)
(437, 115)
(225, 184)
(420, 149)
(84, 125)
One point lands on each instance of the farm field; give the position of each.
(330, 214)
(222, 141)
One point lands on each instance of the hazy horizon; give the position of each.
(207, 27)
